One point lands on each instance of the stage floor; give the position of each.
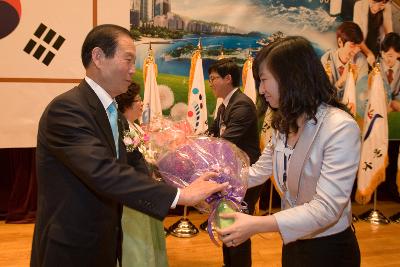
(379, 244)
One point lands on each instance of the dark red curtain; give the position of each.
(18, 185)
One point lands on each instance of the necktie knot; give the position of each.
(220, 116)
(113, 118)
(341, 69)
(221, 110)
(112, 108)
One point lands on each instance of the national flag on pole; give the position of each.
(151, 100)
(197, 108)
(249, 85)
(349, 94)
(374, 157)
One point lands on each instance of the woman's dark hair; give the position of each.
(103, 36)
(302, 80)
(125, 100)
(392, 40)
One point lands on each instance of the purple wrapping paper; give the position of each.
(187, 162)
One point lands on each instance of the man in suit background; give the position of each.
(83, 177)
(236, 122)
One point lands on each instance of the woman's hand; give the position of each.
(239, 231)
(244, 227)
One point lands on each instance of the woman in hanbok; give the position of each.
(143, 242)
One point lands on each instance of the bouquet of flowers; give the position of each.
(164, 135)
(181, 165)
(179, 158)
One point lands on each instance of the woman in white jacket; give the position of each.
(313, 159)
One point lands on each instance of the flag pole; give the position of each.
(373, 159)
(373, 215)
(184, 227)
(271, 191)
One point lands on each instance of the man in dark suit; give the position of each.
(236, 121)
(83, 177)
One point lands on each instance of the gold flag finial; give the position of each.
(150, 54)
(249, 56)
(377, 68)
(199, 46)
(221, 54)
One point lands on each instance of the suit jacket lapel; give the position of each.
(230, 104)
(100, 114)
(302, 151)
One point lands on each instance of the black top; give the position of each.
(374, 23)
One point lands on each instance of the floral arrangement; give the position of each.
(156, 138)
(164, 135)
(135, 139)
(178, 158)
(182, 164)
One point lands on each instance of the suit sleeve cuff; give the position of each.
(178, 192)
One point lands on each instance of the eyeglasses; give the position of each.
(211, 79)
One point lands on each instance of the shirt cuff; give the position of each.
(178, 193)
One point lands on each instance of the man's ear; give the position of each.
(97, 56)
(228, 78)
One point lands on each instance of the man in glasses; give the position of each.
(236, 122)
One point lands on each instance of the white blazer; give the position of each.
(321, 175)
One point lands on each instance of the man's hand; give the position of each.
(200, 189)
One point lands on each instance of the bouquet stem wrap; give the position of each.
(181, 165)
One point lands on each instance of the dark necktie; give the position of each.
(341, 69)
(389, 75)
(220, 116)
